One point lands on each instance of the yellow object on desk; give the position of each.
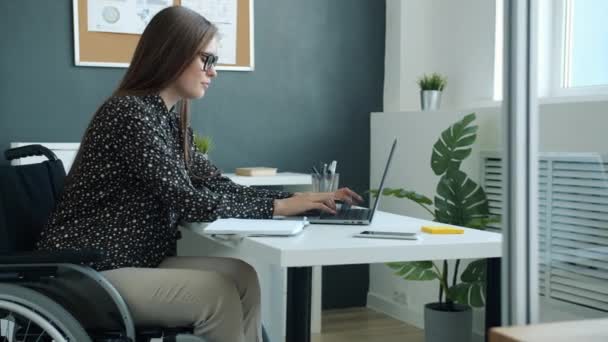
(442, 230)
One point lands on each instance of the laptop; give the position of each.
(354, 216)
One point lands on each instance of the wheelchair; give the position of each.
(54, 296)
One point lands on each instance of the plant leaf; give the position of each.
(472, 290)
(475, 271)
(433, 81)
(469, 294)
(468, 119)
(203, 144)
(414, 270)
(402, 193)
(482, 222)
(395, 265)
(454, 145)
(460, 200)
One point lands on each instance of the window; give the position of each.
(572, 48)
(498, 50)
(586, 43)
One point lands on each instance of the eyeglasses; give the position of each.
(209, 60)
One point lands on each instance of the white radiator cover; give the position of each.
(573, 223)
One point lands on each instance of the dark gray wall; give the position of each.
(319, 73)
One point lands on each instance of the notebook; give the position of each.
(250, 227)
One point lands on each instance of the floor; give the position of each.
(362, 324)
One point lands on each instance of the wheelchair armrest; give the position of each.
(28, 151)
(55, 257)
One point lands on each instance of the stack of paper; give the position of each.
(249, 227)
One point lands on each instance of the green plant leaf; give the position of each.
(402, 193)
(469, 294)
(204, 144)
(467, 119)
(472, 290)
(414, 270)
(411, 195)
(459, 199)
(482, 222)
(420, 199)
(433, 81)
(475, 271)
(454, 145)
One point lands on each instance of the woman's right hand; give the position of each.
(301, 203)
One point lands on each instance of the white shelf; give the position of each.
(281, 178)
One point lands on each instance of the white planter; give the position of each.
(430, 99)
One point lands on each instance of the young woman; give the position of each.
(137, 175)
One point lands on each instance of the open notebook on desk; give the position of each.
(251, 227)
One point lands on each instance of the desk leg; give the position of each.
(493, 306)
(299, 284)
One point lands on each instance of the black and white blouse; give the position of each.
(132, 188)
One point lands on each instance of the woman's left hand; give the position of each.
(342, 194)
(347, 195)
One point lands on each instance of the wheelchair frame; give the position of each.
(34, 269)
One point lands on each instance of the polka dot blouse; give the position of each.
(132, 188)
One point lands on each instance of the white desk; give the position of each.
(272, 278)
(335, 245)
(294, 182)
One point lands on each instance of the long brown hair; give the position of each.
(168, 45)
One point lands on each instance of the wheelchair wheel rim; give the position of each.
(11, 326)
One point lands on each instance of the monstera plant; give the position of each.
(459, 201)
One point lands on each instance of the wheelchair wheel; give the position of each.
(27, 316)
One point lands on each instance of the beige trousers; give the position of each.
(218, 297)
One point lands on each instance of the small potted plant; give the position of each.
(204, 144)
(431, 87)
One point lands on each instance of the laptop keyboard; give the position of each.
(348, 214)
(345, 212)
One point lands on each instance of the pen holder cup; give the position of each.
(325, 183)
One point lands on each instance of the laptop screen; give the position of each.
(388, 164)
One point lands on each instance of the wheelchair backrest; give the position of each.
(28, 194)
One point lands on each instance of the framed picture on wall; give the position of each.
(106, 32)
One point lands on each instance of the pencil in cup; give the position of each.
(325, 183)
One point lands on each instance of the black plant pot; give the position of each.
(443, 322)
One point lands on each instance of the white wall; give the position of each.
(455, 38)
(574, 127)
(392, 56)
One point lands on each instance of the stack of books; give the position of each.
(255, 171)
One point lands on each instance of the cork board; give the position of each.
(106, 49)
